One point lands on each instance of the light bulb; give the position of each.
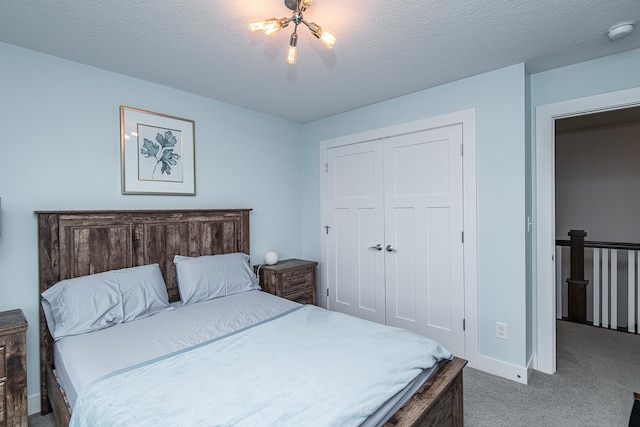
(327, 38)
(271, 27)
(292, 52)
(292, 55)
(306, 3)
(257, 25)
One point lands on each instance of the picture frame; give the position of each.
(157, 153)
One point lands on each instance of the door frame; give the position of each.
(544, 222)
(466, 118)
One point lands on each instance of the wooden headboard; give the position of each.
(78, 243)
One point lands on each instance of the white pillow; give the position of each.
(212, 276)
(88, 303)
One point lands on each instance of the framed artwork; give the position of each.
(157, 153)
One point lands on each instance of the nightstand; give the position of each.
(13, 369)
(293, 279)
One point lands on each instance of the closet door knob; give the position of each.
(390, 248)
(377, 247)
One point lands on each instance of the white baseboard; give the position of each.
(502, 369)
(33, 403)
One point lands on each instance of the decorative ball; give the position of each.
(270, 258)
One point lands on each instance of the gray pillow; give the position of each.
(212, 276)
(89, 303)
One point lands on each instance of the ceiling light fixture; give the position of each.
(271, 26)
(620, 30)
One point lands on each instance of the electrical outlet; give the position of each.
(501, 330)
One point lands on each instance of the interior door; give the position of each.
(355, 265)
(424, 263)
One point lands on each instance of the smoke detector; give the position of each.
(620, 30)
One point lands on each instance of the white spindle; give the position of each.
(638, 296)
(558, 282)
(631, 282)
(605, 288)
(596, 286)
(614, 289)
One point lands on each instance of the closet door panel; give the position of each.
(423, 226)
(365, 263)
(439, 304)
(403, 299)
(356, 271)
(352, 229)
(341, 262)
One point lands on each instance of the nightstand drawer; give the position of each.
(2, 359)
(297, 282)
(305, 297)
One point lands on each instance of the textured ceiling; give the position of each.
(385, 49)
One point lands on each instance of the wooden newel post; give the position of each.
(577, 286)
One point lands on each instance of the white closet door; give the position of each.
(423, 230)
(355, 213)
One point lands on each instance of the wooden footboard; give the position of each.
(437, 403)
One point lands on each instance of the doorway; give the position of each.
(546, 115)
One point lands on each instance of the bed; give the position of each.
(74, 244)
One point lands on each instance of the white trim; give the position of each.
(596, 287)
(503, 369)
(33, 404)
(468, 120)
(530, 366)
(545, 207)
(631, 291)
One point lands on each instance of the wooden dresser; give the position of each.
(13, 369)
(293, 279)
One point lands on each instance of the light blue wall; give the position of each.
(60, 149)
(608, 74)
(499, 100)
